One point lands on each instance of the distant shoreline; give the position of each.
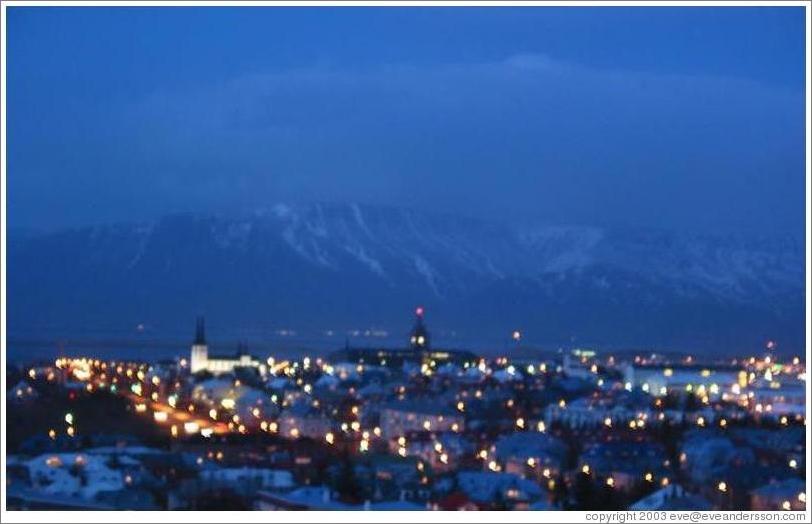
(23, 350)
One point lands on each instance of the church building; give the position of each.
(217, 365)
(419, 350)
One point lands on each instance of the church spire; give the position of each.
(200, 332)
(419, 338)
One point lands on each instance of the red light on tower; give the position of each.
(419, 311)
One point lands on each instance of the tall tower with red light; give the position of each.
(419, 339)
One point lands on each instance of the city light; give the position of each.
(435, 417)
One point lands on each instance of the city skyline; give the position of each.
(382, 259)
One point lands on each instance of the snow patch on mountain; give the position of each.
(425, 269)
(144, 233)
(360, 254)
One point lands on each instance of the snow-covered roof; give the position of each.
(55, 474)
(271, 478)
(789, 488)
(483, 486)
(22, 390)
(504, 375)
(319, 498)
(529, 444)
(326, 381)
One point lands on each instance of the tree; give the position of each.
(499, 502)
(221, 500)
(584, 492)
(345, 482)
(560, 495)
(203, 375)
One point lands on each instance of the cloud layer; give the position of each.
(523, 138)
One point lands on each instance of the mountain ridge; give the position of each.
(335, 266)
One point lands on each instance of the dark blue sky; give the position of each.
(672, 117)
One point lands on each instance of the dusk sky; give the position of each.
(675, 118)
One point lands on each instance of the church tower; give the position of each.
(419, 338)
(200, 350)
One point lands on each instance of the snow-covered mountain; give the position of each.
(335, 267)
